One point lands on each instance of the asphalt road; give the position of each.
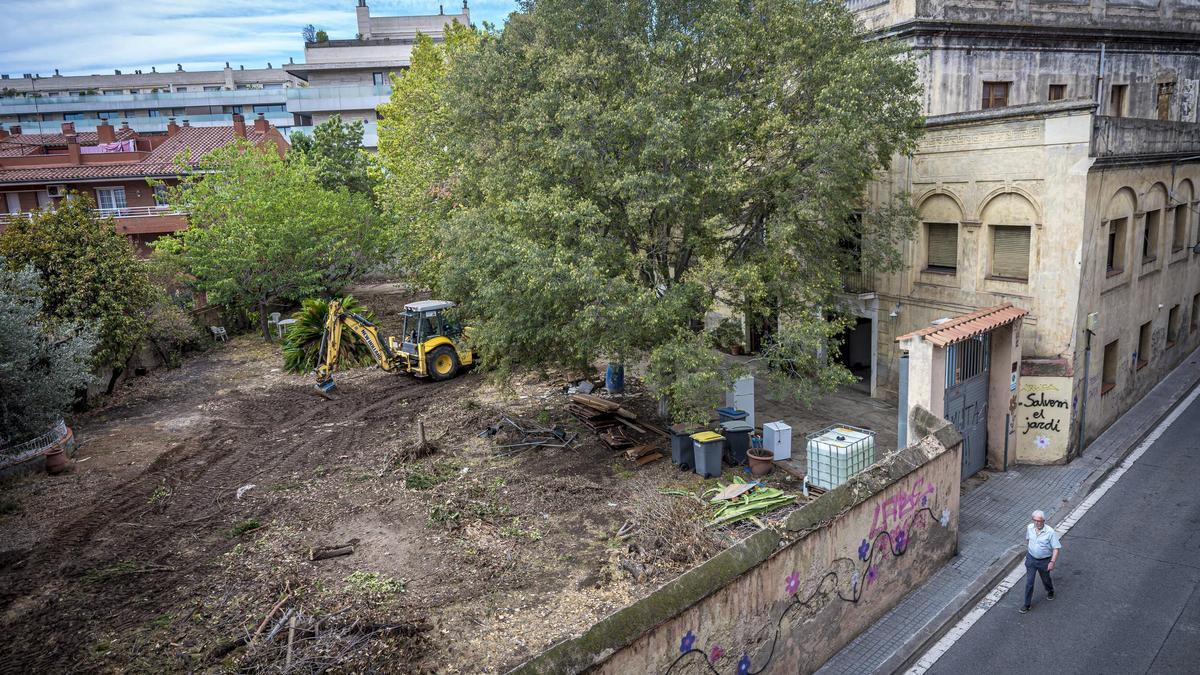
(1127, 581)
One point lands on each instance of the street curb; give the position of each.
(927, 636)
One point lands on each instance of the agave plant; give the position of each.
(302, 341)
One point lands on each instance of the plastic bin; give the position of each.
(707, 446)
(737, 436)
(837, 453)
(683, 451)
(731, 415)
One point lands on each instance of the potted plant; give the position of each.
(762, 461)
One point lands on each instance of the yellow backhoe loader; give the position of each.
(431, 345)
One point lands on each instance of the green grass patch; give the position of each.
(242, 527)
(422, 477)
(373, 585)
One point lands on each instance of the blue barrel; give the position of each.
(614, 378)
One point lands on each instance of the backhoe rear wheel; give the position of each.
(442, 363)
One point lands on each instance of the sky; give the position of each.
(81, 37)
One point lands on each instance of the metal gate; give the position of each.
(967, 368)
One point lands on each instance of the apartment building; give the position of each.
(145, 100)
(1055, 275)
(112, 165)
(351, 77)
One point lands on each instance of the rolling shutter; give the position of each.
(1010, 251)
(942, 245)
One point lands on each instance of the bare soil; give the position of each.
(180, 539)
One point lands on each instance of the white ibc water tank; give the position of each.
(837, 453)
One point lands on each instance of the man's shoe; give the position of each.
(1024, 610)
(1050, 595)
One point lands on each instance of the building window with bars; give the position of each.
(941, 247)
(1010, 251)
(968, 359)
(995, 94)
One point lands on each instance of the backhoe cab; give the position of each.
(431, 345)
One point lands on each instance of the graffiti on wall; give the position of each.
(895, 521)
(1044, 417)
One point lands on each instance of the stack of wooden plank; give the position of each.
(617, 427)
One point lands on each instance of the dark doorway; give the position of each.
(855, 353)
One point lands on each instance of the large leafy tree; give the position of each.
(264, 230)
(336, 154)
(89, 275)
(612, 171)
(42, 363)
(418, 151)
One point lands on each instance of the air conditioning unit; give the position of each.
(56, 190)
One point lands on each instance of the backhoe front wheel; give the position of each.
(442, 363)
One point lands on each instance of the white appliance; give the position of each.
(742, 397)
(837, 453)
(777, 437)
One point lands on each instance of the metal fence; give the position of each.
(15, 454)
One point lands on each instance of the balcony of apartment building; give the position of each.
(128, 220)
(30, 104)
(309, 100)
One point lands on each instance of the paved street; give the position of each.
(1127, 585)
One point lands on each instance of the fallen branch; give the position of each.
(270, 614)
(326, 552)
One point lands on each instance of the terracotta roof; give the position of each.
(968, 325)
(27, 144)
(160, 161)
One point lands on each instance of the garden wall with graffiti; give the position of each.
(785, 601)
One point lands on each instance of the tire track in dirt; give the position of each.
(52, 605)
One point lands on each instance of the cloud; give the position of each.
(81, 37)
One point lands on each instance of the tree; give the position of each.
(618, 170)
(89, 275)
(263, 230)
(417, 155)
(42, 364)
(322, 36)
(309, 33)
(336, 154)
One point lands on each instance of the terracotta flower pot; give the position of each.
(762, 461)
(736, 350)
(56, 460)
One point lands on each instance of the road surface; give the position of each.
(1127, 582)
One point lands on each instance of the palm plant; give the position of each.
(302, 341)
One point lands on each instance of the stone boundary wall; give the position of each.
(785, 601)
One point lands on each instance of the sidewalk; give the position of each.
(989, 540)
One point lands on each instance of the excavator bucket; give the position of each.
(326, 388)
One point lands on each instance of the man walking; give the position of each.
(1043, 545)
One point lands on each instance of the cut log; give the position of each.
(326, 552)
(596, 402)
(646, 459)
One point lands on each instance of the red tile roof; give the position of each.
(160, 161)
(968, 325)
(28, 144)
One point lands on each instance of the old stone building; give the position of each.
(1059, 174)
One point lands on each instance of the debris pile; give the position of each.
(521, 438)
(618, 428)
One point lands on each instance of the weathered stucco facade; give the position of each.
(1051, 126)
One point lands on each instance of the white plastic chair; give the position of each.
(219, 333)
(274, 319)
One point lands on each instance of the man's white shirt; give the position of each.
(1041, 544)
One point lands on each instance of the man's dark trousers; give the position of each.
(1037, 565)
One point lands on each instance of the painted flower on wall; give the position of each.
(744, 665)
(686, 644)
(716, 654)
(901, 541)
(945, 519)
(1042, 442)
(793, 583)
(924, 500)
(863, 549)
(871, 574)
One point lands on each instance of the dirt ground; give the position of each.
(180, 539)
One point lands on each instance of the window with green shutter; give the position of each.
(941, 247)
(1010, 251)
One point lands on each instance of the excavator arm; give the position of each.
(331, 342)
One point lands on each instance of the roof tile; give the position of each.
(968, 325)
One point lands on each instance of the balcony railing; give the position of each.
(127, 212)
(858, 280)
